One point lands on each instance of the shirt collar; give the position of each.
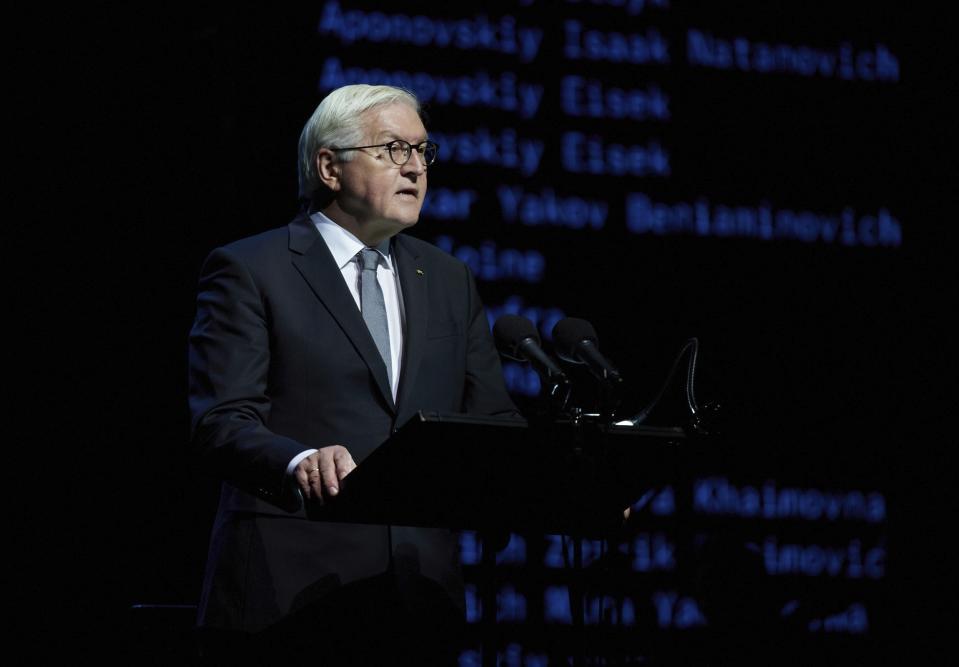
(343, 244)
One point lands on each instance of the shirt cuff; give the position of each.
(290, 480)
(295, 461)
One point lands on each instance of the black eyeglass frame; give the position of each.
(420, 148)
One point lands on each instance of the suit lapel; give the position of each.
(313, 260)
(413, 284)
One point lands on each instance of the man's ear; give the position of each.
(328, 168)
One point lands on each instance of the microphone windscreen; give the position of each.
(509, 331)
(569, 332)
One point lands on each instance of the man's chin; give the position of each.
(397, 225)
(407, 220)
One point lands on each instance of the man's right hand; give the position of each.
(319, 474)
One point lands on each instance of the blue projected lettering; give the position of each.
(514, 553)
(645, 216)
(501, 91)
(587, 154)
(474, 604)
(503, 149)
(632, 7)
(717, 495)
(513, 655)
(448, 204)
(589, 98)
(545, 208)
(615, 47)
(664, 502)
(596, 609)
(661, 501)
(542, 318)
(653, 552)
(471, 548)
(814, 560)
(489, 263)
(854, 620)
(510, 605)
(677, 611)
(705, 50)
(673, 611)
(556, 605)
(610, 610)
(468, 34)
(553, 555)
(520, 379)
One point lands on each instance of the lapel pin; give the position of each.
(419, 272)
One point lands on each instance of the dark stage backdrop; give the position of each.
(746, 173)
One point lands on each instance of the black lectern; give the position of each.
(498, 476)
(460, 471)
(754, 545)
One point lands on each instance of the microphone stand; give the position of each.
(610, 400)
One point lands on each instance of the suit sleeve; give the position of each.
(485, 391)
(229, 360)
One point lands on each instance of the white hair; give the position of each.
(336, 123)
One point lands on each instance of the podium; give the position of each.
(501, 476)
(465, 472)
(757, 545)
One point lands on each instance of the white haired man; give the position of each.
(312, 344)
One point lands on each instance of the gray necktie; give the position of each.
(373, 307)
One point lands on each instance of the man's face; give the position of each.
(375, 191)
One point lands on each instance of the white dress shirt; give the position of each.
(345, 247)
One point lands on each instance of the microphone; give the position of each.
(576, 342)
(516, 339)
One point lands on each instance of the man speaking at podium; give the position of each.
(312, 344)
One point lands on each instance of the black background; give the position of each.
(144, 137)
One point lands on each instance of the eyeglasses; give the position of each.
(401, 151)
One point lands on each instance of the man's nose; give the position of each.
(416, 164)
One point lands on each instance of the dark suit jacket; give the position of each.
(280, 361)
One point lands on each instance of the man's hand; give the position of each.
(319, 474)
